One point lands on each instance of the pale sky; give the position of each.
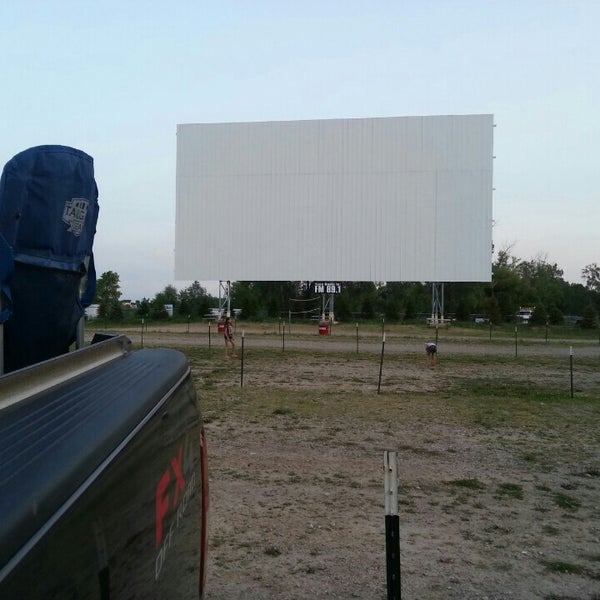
(114, 78)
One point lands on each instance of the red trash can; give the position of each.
(323, 328)
(221, 326)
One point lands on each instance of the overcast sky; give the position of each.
(114, 78)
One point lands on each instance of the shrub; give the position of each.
(589, 317)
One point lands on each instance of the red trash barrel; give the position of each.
(323, 328)
(221, 326)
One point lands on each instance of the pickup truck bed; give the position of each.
(103, 485)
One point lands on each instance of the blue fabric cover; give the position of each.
(48, 215)
(6, 271)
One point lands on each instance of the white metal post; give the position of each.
(392, 526)
(390, 471)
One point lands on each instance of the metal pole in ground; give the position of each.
(381, 363)
(392, 526)
(571, 367)
(209, 337)
(142, 335)
(242, 363)
(357, 338)
(283, 339)
(516, 341)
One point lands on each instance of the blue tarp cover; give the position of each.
(48, 215)
(49, 207)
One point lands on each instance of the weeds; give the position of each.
(559, 566)
(283, 411)
(590, 472)
(470, 484)
(511, 490)
(550, 530)
(529, 457)
(567, 502)
(570, 569)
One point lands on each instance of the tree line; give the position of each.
(516, 283)
(193, 301)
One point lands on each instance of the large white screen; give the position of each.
(384, 199)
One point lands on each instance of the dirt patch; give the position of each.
(499, 469)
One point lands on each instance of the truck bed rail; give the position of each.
(79, 411)
(25, 383)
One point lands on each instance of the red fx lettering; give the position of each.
(179, 480)
(162, 504)
(163, 497)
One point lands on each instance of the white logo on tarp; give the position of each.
(74, 214)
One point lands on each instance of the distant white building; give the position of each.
(92, 311)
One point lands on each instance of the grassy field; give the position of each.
(499, 461)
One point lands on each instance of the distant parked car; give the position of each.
(480, 319)
(572, 319)
(524, 315)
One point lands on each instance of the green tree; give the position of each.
(168, 296)
(591, 275)
(555, 315)
(391, 298)
(415, 298)
(143, 308)
(517, 283)
(367, 307)
(506, 289)
(343, 309)
(589, 315)
(194, 300)
(357, 299)
(274, 296)
(108, 296)
(268, 298)
(393, 309)
(245, 296)
(464, 299)
(539, 316)
(545, 282)
(492, 310)
(409, 308)
(576, 297)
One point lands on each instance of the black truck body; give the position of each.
(103, 480)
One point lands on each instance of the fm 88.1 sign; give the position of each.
(324, 287)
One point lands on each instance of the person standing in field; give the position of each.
(229, 340)
(431, 351)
